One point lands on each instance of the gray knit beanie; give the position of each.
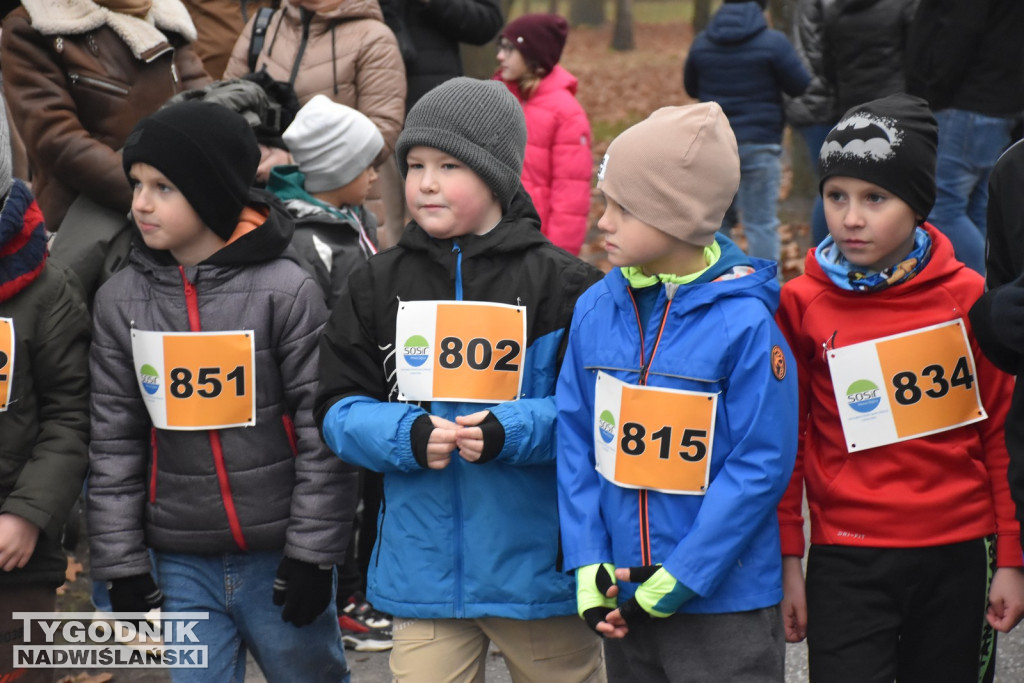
(5, 152)
(480, 123)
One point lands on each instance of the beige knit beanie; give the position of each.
(677, 170)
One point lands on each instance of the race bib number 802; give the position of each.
(460, 351)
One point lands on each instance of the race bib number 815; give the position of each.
(653, 438)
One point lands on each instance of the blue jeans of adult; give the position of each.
(236, 590)
(969, 145)
(814, 137)
(757, 199)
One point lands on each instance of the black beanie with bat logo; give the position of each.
(890, 142)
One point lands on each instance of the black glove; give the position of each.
(1008, 315)
(494, 438)
(304, 589)
(137, 593)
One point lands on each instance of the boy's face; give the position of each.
(446, 198)
(354, 193)
(631, 242)
(873, 228)
(167, 220)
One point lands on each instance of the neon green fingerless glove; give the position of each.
(592, 584)
(659, 594)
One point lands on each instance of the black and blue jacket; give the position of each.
(470, 540)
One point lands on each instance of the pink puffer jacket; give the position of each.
(559, 162)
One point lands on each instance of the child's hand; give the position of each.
(1006, 599)
(794, 600)
(659, 595)
(18, 538)
(441, 443)
(480, 437)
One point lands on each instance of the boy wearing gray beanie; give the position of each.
(204, 449)
(437, 369)
(677, 418)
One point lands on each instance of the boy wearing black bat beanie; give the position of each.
(203, 444)
(915, 554)
(437, 368)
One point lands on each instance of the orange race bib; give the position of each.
(460, 351)
(6, 361)
(197, 380)
(905, 386)
(653, 438)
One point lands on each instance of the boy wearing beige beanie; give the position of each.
(677, 425)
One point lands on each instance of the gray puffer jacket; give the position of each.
(273, 486)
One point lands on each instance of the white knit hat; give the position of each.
(331, 143)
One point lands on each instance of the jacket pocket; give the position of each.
(94, 83)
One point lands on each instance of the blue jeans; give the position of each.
(236, 589)
(969, 145)
(814, 137)
(757, 199)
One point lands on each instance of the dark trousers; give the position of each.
(29, 597)
(736, 647)
(904, 614)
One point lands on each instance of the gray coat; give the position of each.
(165, 489)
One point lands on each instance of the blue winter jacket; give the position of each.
(715, 337)
(470, 540)
(745, 66)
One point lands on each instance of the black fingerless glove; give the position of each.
(494, 439)
(137, 593)
(419, 437)
(304, 590)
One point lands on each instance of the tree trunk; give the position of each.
(586, 12)
(701, 15)
(622, 37)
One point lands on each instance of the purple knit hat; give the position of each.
(539, 37)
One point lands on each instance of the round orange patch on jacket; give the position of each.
(778, 362)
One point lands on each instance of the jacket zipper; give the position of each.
(152, 475)
(642, 510)
(99, 84)
(456, 498)
(192, 304)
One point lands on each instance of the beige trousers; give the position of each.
(561, 649)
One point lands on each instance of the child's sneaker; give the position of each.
(363, 628)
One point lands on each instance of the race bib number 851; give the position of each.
(196, 380)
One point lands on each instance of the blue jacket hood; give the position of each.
(736, 22)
